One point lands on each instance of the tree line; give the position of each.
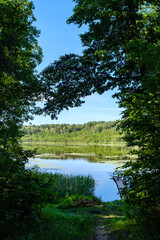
(91, 132)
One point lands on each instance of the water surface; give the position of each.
(101, 171)
(95, 160)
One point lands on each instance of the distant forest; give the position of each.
(91, 132)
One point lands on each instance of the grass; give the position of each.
(67, 224)
(79, 222)
(70, 211)
(57, 186)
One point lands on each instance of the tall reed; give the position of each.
(57, 186)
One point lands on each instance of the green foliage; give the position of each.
(20, 54)
(54, 187)
(121, 50)
(19, 88)
(20, 197)
(118, 41)
(84, 222)
(24, 193)
(78, 200)
(91, 132)
(93, 153)
(61, 224)
(142, 120)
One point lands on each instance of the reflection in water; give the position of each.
(94, 153)
(95, 160)
(101, 172)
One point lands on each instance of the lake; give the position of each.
(99, 167)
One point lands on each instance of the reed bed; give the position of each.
(57, 186)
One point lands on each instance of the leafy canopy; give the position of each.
(19, 88)
(120, 37)
(122, 50)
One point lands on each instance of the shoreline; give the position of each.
(110, 144)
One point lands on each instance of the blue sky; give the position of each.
(58, 38)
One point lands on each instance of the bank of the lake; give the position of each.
(70, 213)
(101, 172)
(92, 152)
(87, 220)
(97, 161)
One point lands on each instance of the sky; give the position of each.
(56, 39)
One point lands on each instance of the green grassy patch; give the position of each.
(67, 223)
(68, 220)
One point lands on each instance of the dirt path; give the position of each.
(101, 232)
(107, 216)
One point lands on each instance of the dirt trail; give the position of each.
(101, 232)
